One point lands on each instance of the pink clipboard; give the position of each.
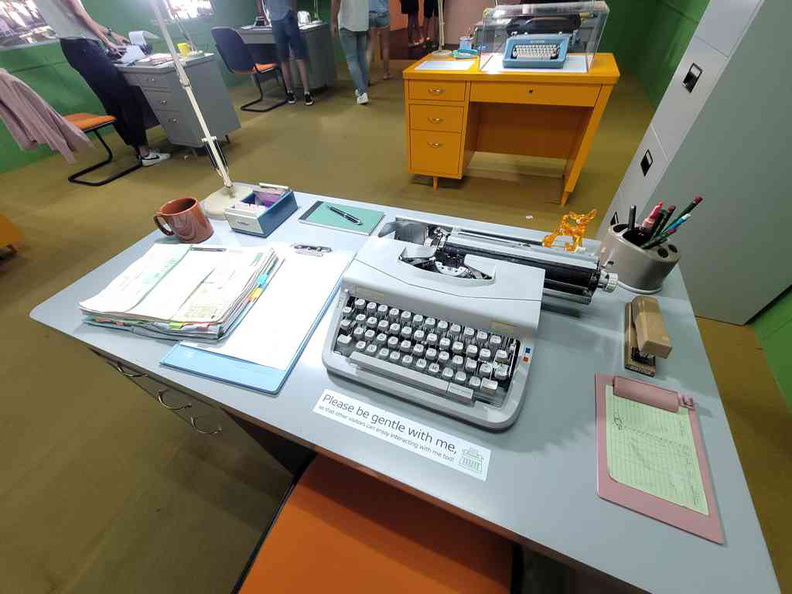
(708, 526)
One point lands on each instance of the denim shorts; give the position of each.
(287, 34)
(378, 20)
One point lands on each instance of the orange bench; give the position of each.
(344, 531)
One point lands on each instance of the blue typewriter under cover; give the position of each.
(536, 51)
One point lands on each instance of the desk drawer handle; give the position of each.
(215, 432)
(173, 120)
(126, 373)
(163, 101)
(435, 145)
(161, 400)
(152, 80)
(530, 91)
(436, 120)
(437, 91)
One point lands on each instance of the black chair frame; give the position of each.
(278, 77)
(75, 177)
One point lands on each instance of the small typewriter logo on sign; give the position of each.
(472, 460)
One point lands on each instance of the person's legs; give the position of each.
(373, 34)
(430, 27)
(385, 49)
(300, 51)
(108, 84)
(362, 49)
(430, 20)
(412, 23)
(349, 44)
(280, 31)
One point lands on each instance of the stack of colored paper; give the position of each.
(181, 291)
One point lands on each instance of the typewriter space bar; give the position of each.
(402, 374)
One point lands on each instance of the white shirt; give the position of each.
(353, 15)
(63, 21)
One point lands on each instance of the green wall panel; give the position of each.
(667, 41)
(775, 316)
(774, 329)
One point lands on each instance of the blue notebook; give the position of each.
(266, 346)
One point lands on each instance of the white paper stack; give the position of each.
(183, 291)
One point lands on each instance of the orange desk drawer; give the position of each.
(435, 153)
(437, 90)
(436, 118)
(539, 94)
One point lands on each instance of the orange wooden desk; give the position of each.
(452, 114)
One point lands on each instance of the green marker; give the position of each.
(688, 208)
(658, 240)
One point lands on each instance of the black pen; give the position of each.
(631, 219)
(346, 215)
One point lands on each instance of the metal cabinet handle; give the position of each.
(152, 80)
(174, 120)
(160, 399)
(436, 120)
(437, 91)
(163, 101)
(126, 373)
(435, 145)
(215, 432)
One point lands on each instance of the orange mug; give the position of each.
(185, 219)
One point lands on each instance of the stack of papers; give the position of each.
(183, 291)
(262, 351)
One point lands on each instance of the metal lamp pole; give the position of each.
(216, 203)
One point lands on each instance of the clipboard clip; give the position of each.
(311, 250)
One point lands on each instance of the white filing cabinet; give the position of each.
(722, 26)
(721, 131)
(646, 168)
(694, 79)
(724, 22)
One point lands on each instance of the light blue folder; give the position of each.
(236, 371)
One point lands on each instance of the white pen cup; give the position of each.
(640, 270)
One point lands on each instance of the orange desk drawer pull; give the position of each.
(435, 153)
(437, 90)
(539, 94)
(436, 118)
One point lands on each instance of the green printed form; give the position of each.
(652, 450)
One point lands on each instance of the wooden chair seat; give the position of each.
(88, 121)
(344, 531)
(260, 69)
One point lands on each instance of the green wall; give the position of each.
(774, 328)
(649, 38)
(673, 24)
(44, 68)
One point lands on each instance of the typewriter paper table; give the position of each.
(541, 484)
(451, 114)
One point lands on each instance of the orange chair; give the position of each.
(88, 123)
(238, 60)
(344, 531)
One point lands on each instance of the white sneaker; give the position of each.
(362, 98)
(154, 158)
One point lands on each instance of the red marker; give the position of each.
(649, 221)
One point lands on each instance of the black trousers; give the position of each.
(88, 57)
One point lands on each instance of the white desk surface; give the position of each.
(541, 489)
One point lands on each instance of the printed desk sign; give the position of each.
(447, 449)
